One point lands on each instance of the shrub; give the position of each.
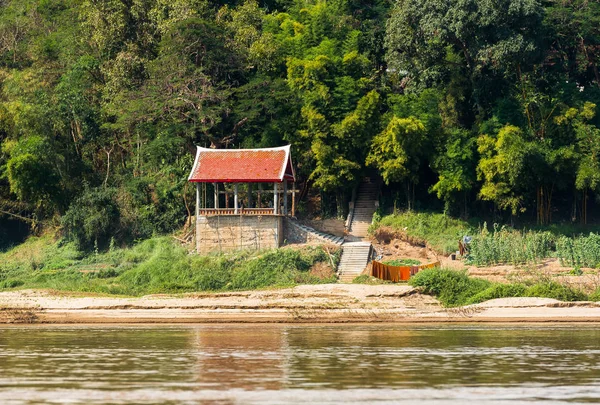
(211, 274)
(275, 268)
(93, 218)
(551, 289)
(498, 291)
(455, 288)
(452, 288)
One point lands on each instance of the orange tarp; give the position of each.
(390, 273)
(398, 273)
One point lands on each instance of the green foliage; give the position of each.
(440, 232)
(501, 166)
(402, 262)
(581, 251)
(430, 40)
(30, 172)
(506, 246)
(456, 288)
(454, 164)
(452, 288)
(369, 280)
(93, 218)
(277, 268)
(469, 100)
(551, 289)
(156, 265)
(498, 291)
(394, 152)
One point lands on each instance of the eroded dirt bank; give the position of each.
(314, 303)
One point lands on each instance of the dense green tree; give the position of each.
(485, 41)
(103, 102)
(500, 167)
(395, 152)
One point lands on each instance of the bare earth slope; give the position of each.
(320, 303)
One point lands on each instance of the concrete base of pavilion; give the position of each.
(221, 233)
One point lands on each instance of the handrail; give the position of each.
(232, 211)
(351, 209)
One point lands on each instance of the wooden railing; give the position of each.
(231, 211)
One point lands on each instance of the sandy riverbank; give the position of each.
(314, 303)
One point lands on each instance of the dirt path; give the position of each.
(315, 303)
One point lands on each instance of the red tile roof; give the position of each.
(268, 165)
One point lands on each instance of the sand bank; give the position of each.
(314, 303)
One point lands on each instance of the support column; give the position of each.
(285, 197)
(235, 198)
(275, 200)
(216, 194)
(250, 196)
(259, 202)
(294, 199)
(197, 200)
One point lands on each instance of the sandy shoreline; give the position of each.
(333, 303)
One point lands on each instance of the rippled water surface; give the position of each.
(271, 364)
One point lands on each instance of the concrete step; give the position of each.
(324, 237)
(355, 257)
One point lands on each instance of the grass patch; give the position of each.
(439, 232)
(402, 262)
(157, 265)
(456, 288)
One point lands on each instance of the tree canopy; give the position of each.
(479, 107)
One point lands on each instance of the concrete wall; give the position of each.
(235, 232)
(292, 233)
(331, 226)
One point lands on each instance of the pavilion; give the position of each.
(250, 190)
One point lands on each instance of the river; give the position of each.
(272, 364)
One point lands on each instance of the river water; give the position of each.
(272, 364)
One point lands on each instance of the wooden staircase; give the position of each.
(355, 257)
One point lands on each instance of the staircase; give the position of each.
(312, 234)
(364, 208)
(355, 258)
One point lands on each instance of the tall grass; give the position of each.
(506, 246)
(456, 288)
(582, 251)
(156, 265)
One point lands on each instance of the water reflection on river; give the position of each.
(295, 363)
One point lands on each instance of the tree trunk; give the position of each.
(584, 207)
(544, 205)
(340, 204)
